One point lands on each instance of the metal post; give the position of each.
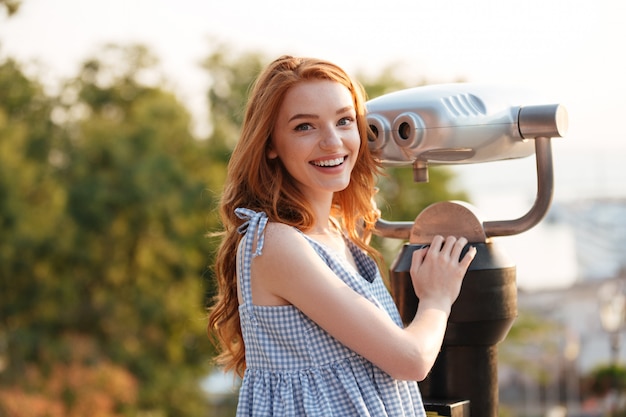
(466, 368)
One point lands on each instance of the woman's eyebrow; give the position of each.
(303, 116)
(345, 109)
(315, 116)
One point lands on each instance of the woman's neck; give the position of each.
(321, 211)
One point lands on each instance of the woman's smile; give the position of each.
(329, 163)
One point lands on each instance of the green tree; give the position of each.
(103, 240)
(604, 378)
(135, 185)
(231, 77)
(31, 210)
(32, 378)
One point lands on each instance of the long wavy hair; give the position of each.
(262, 184)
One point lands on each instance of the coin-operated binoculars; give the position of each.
(464, 124)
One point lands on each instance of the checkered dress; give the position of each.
(294, 368)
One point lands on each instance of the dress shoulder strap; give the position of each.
(251, 245)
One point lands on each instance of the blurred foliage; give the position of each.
(105, 200)
(231, 78)
(102, 214)
(11, 6)
(605, 378)
(608, 381)
(84, 384)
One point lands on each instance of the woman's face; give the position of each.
(316, 137)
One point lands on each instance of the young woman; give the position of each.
(302, 312)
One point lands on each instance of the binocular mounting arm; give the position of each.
(545, 187)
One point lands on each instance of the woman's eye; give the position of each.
(303, 127)
(344, 121)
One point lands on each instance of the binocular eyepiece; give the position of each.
(459, 124)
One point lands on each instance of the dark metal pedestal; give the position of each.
(466, 368)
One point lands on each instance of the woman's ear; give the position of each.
(270, 153)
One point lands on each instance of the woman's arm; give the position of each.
(291, 272)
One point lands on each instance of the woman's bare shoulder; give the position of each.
(278, 271)
(281, 238)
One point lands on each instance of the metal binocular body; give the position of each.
(464, 124)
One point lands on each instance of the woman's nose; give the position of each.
(331, 139)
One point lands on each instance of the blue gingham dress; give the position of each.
(295, 368)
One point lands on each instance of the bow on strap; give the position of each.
(255, 221)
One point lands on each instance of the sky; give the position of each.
(568, 51)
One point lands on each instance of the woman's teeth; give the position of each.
(329, 162)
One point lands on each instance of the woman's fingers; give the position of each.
(457, 248)
(418, 256)
(468, 258)
(449, 247)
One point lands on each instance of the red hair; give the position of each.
(262, 184)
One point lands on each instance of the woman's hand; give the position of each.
(437, 271)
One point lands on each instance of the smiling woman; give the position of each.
(302, 311)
